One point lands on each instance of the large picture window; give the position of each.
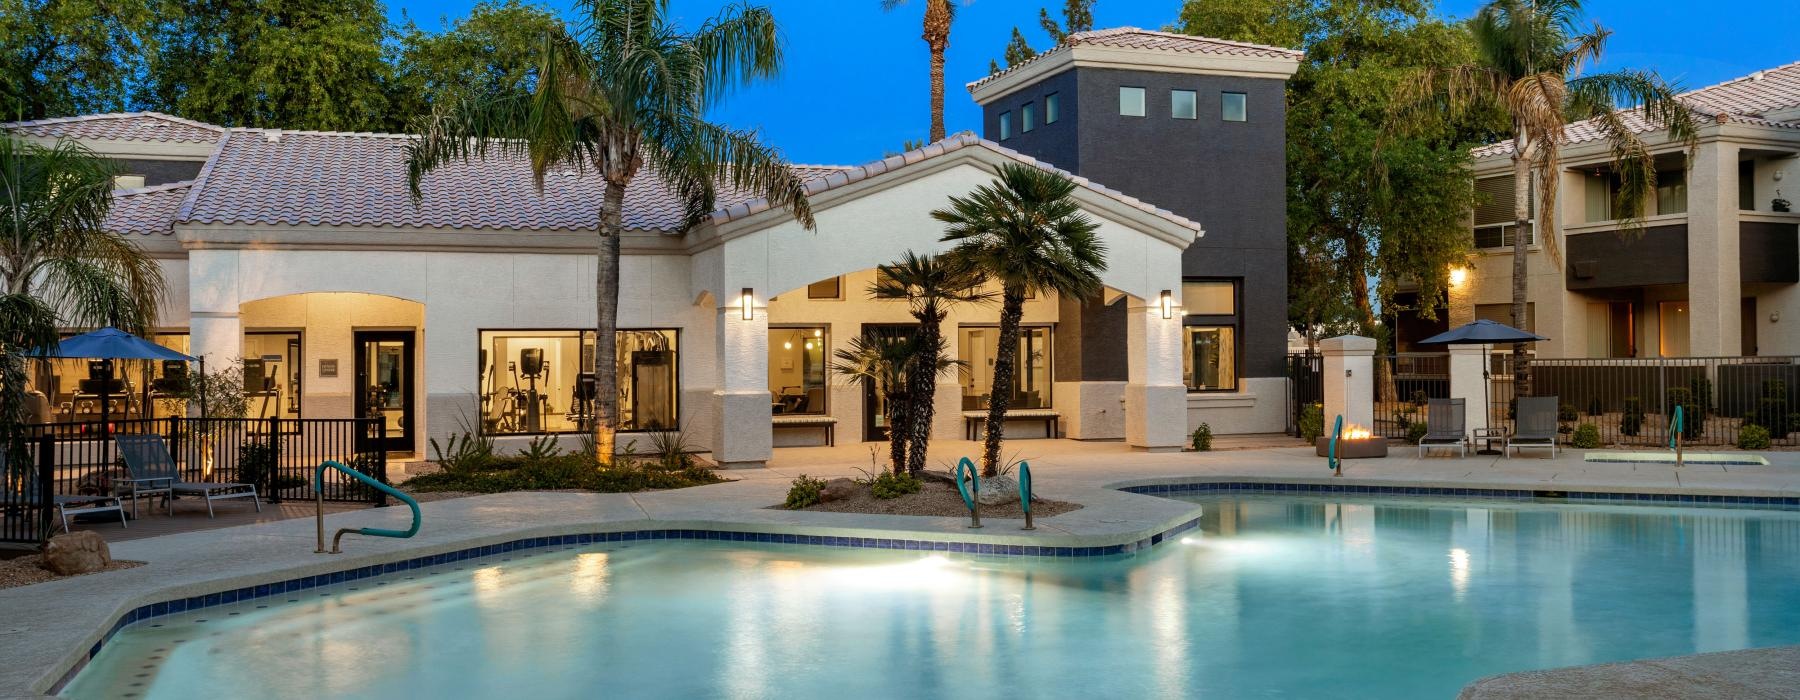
(797, 358)
(70, 390)
(1210, 333)
(978, 345)
(537, 381)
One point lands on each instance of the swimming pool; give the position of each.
(1272, 596)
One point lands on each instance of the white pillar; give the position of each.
(1349, 380)
(216, 336)
(1155, 398)
(1715, 290)
(741, 403)
(1469, 382)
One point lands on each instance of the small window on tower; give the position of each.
(1027, 117)
(1052, 102)
(1131, 101)
(1236, 107)
(1184, 104)
(1005, 125)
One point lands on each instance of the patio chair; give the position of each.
(1536, 425)
(65, 505)
(1446, 425)
(147, 458)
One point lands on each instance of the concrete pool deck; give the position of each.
(49, 628)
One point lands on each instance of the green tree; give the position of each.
(491, 51)
(1026, 232)
(877, 361)
(1366, 200)
(1529, 63)
(939, 14)
(63, 57)
(58, 265)
(293, 64)
(629, 89)
(1078, 16)
(931, 286)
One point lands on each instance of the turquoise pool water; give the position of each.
(1274, 596)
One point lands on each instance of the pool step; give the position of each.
(1648, 457)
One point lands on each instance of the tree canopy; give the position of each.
(491, 51)
(1078, 16)
(62, 57)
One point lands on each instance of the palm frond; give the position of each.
(1025, 230)
(694, 155)
(738, 47)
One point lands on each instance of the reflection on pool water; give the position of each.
(1272, 596)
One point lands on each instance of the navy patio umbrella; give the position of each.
(110, 344)
(1483, 332)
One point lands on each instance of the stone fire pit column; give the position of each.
(1349, 380)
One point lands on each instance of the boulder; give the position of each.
(839, 489)
(76, 553)
(999, 490)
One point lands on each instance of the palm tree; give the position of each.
(1025, 232)
(878, 360)
(931, 285)
(1531, 54)
(627, 90)
(938, 16)
(58, 264)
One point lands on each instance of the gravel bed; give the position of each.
(25, 570)
(936, 499)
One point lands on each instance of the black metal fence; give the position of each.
(277, 455)
(1306, 386)
(1404, 383)
(1630, 401)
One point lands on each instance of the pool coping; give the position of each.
(175, 598)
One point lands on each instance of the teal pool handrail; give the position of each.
(1676, 423)
(319, 493)
(1025, 493)
(970, 489)
(1331, 456)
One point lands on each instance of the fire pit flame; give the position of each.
(1355, 432)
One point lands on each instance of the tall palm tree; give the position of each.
(1025, 232)
(628, 89)
(938, 16)
(931, 285)
(58, 264)
(1531, 56)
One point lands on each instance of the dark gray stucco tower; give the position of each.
(1189, 124)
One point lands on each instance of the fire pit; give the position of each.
(1356, 442)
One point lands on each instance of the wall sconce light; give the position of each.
(1458, 275)
(1168, 304)
(749, 302)
(1774, 317)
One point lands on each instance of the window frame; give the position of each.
(837, 297)
(1225, 104)
(1049, 358)
(826, 339)
(1143, 101)
(1234, 321)
(580, 335)
(1193, 104)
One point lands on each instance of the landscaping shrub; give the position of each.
(1415, 431)
(1595, 408)
(804, 492)
(1566, 413)
(256, 465)
(563, 471)
(542, 447)
(463, 451)
(1753, 437)
(889, 485)
(1632, 422)
(1203, 438)
(1772, 409)
(1312, 422)
(1420, 398)
(1587, 436)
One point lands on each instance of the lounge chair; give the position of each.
(1536, 425)
(147, 458)
(1446, 425)
(65, 505)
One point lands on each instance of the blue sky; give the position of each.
(855, 80)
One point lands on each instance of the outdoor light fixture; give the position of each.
(1458, 275)
(1168, 304)
(749, 304)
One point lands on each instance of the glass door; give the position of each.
(384, 383)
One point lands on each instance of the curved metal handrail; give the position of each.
(319, 495)
(969, 492)
(1025, 493)
(1677, 423)
(1331, 456)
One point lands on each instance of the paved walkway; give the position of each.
(49, 627)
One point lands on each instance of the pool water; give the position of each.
(1274, 596)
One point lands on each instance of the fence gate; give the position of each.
(1306, 386)
(1404, 383)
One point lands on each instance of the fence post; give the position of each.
(381, 475)
(1349, 379)
(46, 464)
(271, 474)
(174, 436)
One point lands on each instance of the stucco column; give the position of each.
(1469, 382)
(1715, 291)
(1349, 379)
(1155, 398)
(741, 403)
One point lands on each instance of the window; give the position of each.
(1005, 125)
(1747, 185)
(978, 345)
(1671, 192)
(1131, 101)
(537, 381)
(1612, 329)
(1210, 363)
(68, 390)
(1235, 107)
(826, 289)
(272, 369)
(1027, 115)
(1599, 189)
(128, 182)
(797, 358)
(1052, 105)
(1502, 313)
(1494, 217)
(1672, 331)
(1184, 104)
(1218, 298)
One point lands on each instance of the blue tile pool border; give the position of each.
(1203, 487)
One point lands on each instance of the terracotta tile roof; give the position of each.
(955, 142)
(121, 126)
(271, 177)
(1743, 100)
(146, 210)
(1135, 38)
